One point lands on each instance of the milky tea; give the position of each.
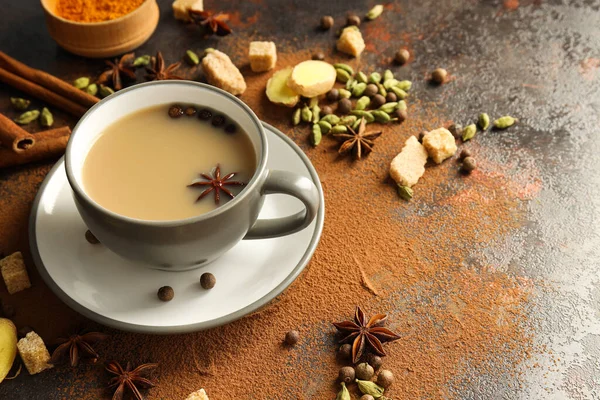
(143, 164)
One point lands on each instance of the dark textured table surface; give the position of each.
(535, 59)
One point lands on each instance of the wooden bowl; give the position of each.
(103, 39)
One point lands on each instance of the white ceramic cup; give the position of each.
(192, 242)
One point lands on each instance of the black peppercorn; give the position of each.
(89, 236)
(346, 374)
(175, 111)
(190, 111)
(208, 280)
(166, 293)
(353, 19)
(326, 22)
(231, 128)
(218, 120)
(326, 110)
(345, 351)
(318, 56)
(371, 90)
(377, 101)
(375, 361)
(344, 106)
(333, 95)
(391, 97)
(205, 114)
(292, 337)
(402, 56)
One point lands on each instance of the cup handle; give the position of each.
(291, 184)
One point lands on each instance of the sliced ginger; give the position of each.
(278, 90)
(312, 78)
(8, 346)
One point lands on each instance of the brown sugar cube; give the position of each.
(351, 41)
(263, 56)
(14, 273)
(222, 73)
(34, 353)
(199, 395)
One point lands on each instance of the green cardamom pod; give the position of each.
(325, 126)
(361, 77)
(313, 101)
(375, 77)
(388, 83)
(27, 117)
(343, 394)
(483, 121)
(401, 94)
(91, 89)
(374, 12)
(191, 58)
(316, 114)
(469, 132)
(388, 74)
(331, 119)
(404, 85)
(364, 114)
(345, 67)
(359, 89)
(19, 103)
(344, 94)
(382, 90)
(46, 118)
(104, 91)
(370, 388)
(362, 103)
(348, 120)
(296, 116)
(405, 192)
(401, 105)
(504, 122)
(81, 83)
(141, 61)
(350, 83)
(339, 129)
(389, 107)
(316, 135)
(356, 124)
(381, 116)
(342, 75)
(306, 114)
(207, 51)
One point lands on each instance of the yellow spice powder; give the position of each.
(95, 10)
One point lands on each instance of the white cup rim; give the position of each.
(81, 193)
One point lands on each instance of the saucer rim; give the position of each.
(177, 329)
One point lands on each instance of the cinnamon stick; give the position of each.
(13, 137)
(41, 93)
(49, 145)
(46, 80)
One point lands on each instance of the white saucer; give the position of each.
(115, 292)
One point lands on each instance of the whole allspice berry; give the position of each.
(89, 236)
(391, 97)
(469, 165)
(344, 106)
(401, 115)
(402, 56)
(326, 110)
(292, 337)
(346, 375)
(353, 19)
(364, 371)
(456, 130)
(326, 22)
(318, 56)
(439, 75)
(333, 95)
(371, 90)
(377, 101)
(375, 361)
(385, 378)
(166, 293)
(464, 154)
(207, 280)
(345, 351)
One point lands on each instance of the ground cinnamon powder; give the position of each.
(95, 10)
(418, 261)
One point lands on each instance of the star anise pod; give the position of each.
(129, 379)
(359, 142)
(217, 183)
(158, 71)
(78, 346)
(214, 23)
(362, 333)
(119, 69)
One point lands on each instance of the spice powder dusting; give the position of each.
(95, 10)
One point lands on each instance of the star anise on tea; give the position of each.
(160, 72)
(216, 184)
(77, 346)
(363, 333)
(119, 69)
(128, 379)
(213, 23)
(359, 142)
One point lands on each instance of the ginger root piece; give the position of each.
(351, 41)
(181, 8)
(409, 165)
(440, 144)
(198, 395)
(278, 90)
(222, 73)
(312, 78)
(8, 346)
